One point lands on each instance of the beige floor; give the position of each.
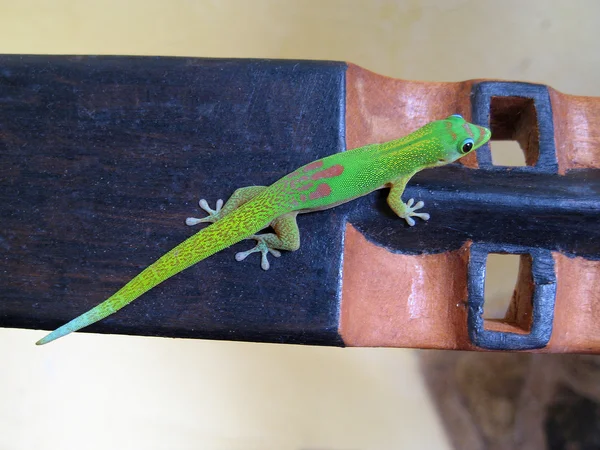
(97, 392)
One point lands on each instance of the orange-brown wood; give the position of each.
(576, 131)
(577, 312)
(395, 300)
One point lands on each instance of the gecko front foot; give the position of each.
(409, 212)
(263, 248)
(213, 214)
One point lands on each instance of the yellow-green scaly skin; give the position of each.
(322, 184)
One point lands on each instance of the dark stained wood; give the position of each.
(103, 158)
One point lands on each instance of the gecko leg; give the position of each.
(405, 210)
(286, 237)
(238, 198)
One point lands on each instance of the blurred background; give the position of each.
(95, 391)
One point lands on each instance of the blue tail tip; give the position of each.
(48, 338)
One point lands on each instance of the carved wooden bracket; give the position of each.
(548, 211)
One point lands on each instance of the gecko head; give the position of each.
(457, 138)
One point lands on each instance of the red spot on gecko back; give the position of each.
(330, 172)
(314, 165)
(306, 186)
(323, 190)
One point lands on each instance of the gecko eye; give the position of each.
(466, 146)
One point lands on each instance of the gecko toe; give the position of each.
(264, 262)
(275, 253)
(191, 221)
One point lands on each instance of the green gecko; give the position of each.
(319, 185)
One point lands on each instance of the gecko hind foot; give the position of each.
(213, 214)
(410, 212)
(263, 248)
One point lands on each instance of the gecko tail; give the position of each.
(203, 244)
(95, 314)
